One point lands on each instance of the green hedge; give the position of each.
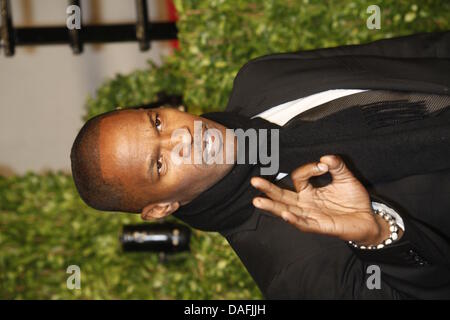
(45, 227)
(218, 37)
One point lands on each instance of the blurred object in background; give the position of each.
(75, 34)
(155, 237)
(43, 88)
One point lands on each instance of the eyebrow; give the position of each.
(149, 115)
(151, 168)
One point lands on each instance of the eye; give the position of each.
(158, 122)
(159, 165)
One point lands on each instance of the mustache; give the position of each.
(204, 146)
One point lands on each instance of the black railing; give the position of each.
(142, 32)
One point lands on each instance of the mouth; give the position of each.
(208, 141)
(206, 147)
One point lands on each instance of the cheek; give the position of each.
(186, 178)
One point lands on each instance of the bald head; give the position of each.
(122, 161)
(97, 191)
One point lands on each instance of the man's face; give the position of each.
(136, 148)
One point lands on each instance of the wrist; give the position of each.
(383, 232)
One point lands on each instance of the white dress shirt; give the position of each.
(282, 113)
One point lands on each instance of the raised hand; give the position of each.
(341, 209)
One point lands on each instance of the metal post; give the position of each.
(142, 31)
(142, 25)
(6, 29)
(74, 34)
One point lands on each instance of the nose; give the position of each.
(181, 135)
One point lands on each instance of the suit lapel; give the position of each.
(263, 84)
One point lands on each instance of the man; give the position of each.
(382, 106)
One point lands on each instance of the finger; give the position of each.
(337, 168)
(291, 214)
(292, 218)
(302, 223)
(274, 192)
(276, 207)
(300, 176)
(269, 205)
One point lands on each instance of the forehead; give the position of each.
(121, 146)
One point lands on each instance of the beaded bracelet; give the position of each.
(393, 228)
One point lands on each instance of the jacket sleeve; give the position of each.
(334, 273)
(420, 246)
(426, 45)
(414, 267)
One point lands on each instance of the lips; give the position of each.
(204, 139)
(208, 140)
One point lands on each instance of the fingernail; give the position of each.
(284, 216)
(322, 166)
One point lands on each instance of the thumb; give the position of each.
(337, 168)
(300, 176)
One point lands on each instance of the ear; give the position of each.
(159, 210)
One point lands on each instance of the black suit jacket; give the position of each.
(287, 263)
